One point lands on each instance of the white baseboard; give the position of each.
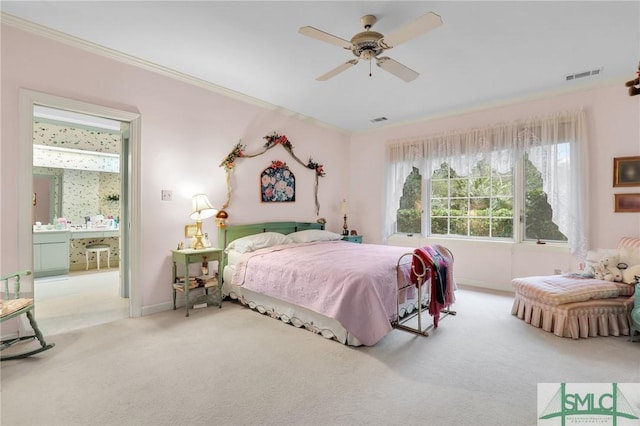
(485, 285)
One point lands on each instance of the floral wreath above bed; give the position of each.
(273, 140)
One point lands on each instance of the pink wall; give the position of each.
(186, 132)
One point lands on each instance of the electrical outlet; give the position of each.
(167, 195)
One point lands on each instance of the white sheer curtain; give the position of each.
(401, 159)
(544, 139)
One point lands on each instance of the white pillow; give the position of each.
(258, 241)
(311, 235)
(628, 275)
(630, 255)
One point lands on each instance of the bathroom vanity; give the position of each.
(51, 252)
(57, 251)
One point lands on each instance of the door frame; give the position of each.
(130, 221)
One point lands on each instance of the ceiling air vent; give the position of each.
(583, 74)
(375, 120)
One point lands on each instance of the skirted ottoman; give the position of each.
(572, 306)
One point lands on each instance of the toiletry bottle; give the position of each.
(207, 241)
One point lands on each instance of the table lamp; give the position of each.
(202, 209)
(343, 210)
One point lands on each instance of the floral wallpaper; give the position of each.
(51, 134)
(84, 192)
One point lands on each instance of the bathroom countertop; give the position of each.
(83, 233)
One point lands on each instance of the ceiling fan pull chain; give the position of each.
(369, 68)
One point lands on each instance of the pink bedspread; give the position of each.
(355, 284)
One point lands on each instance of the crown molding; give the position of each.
(116, 55)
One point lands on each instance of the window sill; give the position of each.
(530, 246)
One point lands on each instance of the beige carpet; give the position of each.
(232, 366)
(79, 300)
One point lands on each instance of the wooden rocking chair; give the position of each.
(12, 307)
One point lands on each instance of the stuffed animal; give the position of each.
(634, 85)
(606, 269)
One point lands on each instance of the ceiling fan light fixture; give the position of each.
(367, 45)
(366, 42)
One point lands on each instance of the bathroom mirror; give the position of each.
(47, 194)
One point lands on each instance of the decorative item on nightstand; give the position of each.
(222, 218)
(202, 209)
(343, 211)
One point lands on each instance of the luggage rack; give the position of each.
(404, 265)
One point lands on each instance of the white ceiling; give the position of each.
(484, 53)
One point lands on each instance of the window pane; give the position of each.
(502, 207)
(409, 215)
(439, 188)
(440, 226)
(538, 212)
(439, 207)
(479, 207)
(502, 185)
(459, 226)
(479, 227)
(459, 206)
(459, 187)
(502, 228)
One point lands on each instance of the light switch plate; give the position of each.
(167, 195)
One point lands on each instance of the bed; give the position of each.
(576, 305)
(358, 301)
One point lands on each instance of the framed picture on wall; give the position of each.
(626, 171)
(627, 203)
(190, 230)
(277, 183)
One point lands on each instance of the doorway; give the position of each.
(129, 200)
(77, 186)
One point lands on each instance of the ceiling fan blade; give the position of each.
(326, 37)
(397, 69)
(411, 30)
(337, 70)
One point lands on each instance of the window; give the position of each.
(519, 181)
(475, 200)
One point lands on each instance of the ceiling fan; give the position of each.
(368, 45)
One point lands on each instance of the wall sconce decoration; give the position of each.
(202, 209)
(343, 211)
(272, 141)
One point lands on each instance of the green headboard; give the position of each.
(230, 233)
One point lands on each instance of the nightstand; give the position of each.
(353, 238)
(187, 257)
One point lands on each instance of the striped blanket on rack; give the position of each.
(439, 261)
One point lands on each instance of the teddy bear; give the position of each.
(634, 85)
(606, 269)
